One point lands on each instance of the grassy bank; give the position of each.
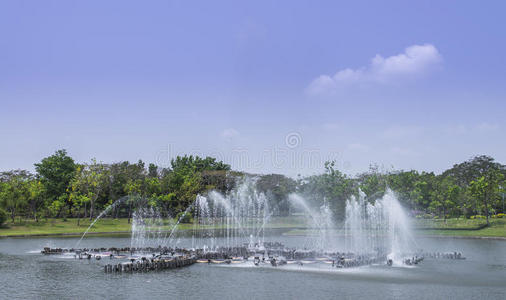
(452, 227)
(59, 226)
(439, 227)
(462, 227)
(106, 225)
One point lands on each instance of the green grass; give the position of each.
(466, 228)
(438, 227)
(107, 225)
(452, 227)
(58, 226)
(454, 223)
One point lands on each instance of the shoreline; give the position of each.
(77, 234)
(501, 238)
(118, 232)
(473, 229)
(66, 234)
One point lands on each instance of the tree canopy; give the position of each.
(63, 188)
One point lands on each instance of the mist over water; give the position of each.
(378, 228)
(245, 217)
(241, 217)
(381, 226)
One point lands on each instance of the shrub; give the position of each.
(3, 216)
(185, 219)
(478, 217)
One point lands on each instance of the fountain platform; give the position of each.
(132, 259)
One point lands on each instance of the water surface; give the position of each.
(25, 273)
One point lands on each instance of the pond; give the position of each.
(25, 273)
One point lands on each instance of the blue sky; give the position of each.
(268, 86)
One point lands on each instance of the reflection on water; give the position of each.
(26, 274)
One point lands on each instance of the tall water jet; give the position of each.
(239, 216)
(147, 228)
(380, 227)
(320, 221)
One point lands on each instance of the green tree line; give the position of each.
(63, 188)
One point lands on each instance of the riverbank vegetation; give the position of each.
(28, 227)
(295, 225)
(61, 189)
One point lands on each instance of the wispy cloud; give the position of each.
(487, 126)
(229, 134)
(461, 129)
(415, 60)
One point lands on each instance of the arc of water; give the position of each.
(179, 221)
(107, 209)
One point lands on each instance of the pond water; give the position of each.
(26, 274)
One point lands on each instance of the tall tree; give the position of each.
(35, 200)
(332, 186)
(444, 196)
(373, 183)
(89, 181)
(152, 171)
(55, 173)
(277, 188)
(14, 195)
(485, 188)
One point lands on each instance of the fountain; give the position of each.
(147, 228)
(240, 217)
(103, 213)
(230, 228)
(381, 227)
(320, 223)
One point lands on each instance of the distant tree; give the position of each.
(55, 173)
(134, 190)
(405, 183)
(8, 175)
(422, 193)
(89, 181)
(332, 186)
(186, 179)
(118, 175)
(35, 199)
(277, 187)
(485, 188)
(373, 183)
(14, 195)
(152, 186)
(152, 171)
(473, 169)
(197, 164)
(444, 196)
(3, 216)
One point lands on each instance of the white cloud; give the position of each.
(487, 127)
(229, 134)
(472, 129)
(415, 60)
